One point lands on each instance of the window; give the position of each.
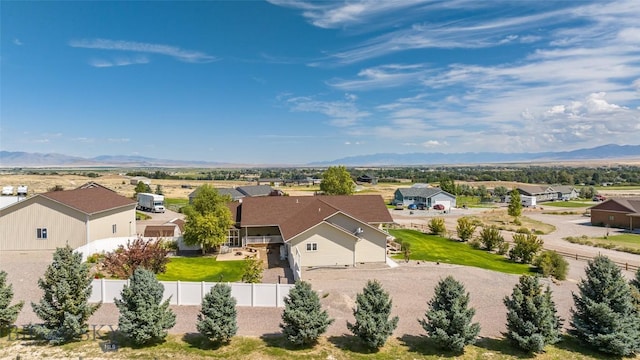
(114, 228)
(41, 233)
(312, 246)
(610, 217)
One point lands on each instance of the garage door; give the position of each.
(446, 203)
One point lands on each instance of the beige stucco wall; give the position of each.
(101, 225)
(18, 224)
(334, 246)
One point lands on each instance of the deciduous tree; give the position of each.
(604, 315)
(525, 248)
(550, 263)
(252, 270)
(490, 237)
(8, 313)
(466, 227)
(208, 219)
(436, 226)
(64, 307)
(515, 205)
(144, 317)
(532, 319)
(336, 180)
(373, 308)
(218, 316)
(303, 320)
(448, 319)
(151, 255)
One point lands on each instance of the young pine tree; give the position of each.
(144, 318)
(8, 313)
(635, 289)
(303, 320)
(64, 307)
(448, 319)
(217, 318)
(604, 315)
(373, 308)
(532, 319)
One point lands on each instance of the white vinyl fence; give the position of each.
(192, 293)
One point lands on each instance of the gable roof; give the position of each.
(421, 191)
(295, 214)
(631, 205)
(89, 200)
(534, 189)
(235, 194)
(255, 190)
(564, 189)
(159, 230)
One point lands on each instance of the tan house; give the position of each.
(618, 212)
(316, 230)
(75, 217)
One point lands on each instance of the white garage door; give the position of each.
(446, 203)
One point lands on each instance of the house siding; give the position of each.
(100, 225)
(334, 248)
(18, 226)
(372, 244)
(620, 219)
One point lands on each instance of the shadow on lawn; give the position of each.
(199, 341)
(351, 343)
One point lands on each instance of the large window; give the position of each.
(312, 246)
(41, 233)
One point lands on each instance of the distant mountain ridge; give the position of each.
(9, 159)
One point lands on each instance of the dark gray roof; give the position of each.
(421, 191)
(564, 189)
(235, 194)
(255, 190)
(534, 189)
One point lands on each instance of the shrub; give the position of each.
(550, 263)
(604, 315)
(503, 248)
(144, 318)
(406, 251)
(373, 308)
(436, 226)
(532, 319)
(64, 307)
(490, 237)
(465, 228)
(448, 319)
(124, 261)
(523, 230)
(95, 258)
(303, 320)
(217, 318)
(476, 243)
(526, 246)
(252, 270)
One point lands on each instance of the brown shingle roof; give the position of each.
(630, 204)
(294, 214)
(159, 230)
(89, 200)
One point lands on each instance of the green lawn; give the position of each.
(437, 249)
(202, 269)
(624, 242)
(567, 204)
(175, 204)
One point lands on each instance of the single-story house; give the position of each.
(366, 178)
(75, 217)
(270, 181)
(315, 230)
(566, 192)
(239, 192)
(140, 179)
(540, 192)
(617, 212)
(423, 195)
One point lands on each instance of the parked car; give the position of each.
(422, 206)
(399, 206)
(599, 198)
(438, 207)
(412, 207)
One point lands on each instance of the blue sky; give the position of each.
(292, 82)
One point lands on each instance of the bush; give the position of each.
(503, 248)
(303, 320)
(605, 316)
(550, 263)
(436, 226)
(124, 261)
(490, 237)
(95, 258)
(373, 308)
(523, 230)
(448, 319)
(465, 228)
(525, 248)
(144, 318)
(217, 318)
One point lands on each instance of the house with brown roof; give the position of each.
(315, 230)
(75, 217)
(617, 212)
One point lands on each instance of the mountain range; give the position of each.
(9, 159)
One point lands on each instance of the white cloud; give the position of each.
(17, 42)
(342, 113)
(119, 61)
(433, 144)
(184, 55)
(118, 140)
(383, 76)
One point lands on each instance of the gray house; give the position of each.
(426, 196)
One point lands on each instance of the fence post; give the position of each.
(277, 294)
(202, 290)
(178, 292)
(576, 256)
(253, 294)
(103, 292)
(626, 266)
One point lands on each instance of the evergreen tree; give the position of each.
(373, 308)
(635, 290)
(144, 318)
(448, 319)
(217, 319)
(532, 319)
(8, 313)
(604, 315)
(515, 204)
(64, 307)
(636, 282)
(303, 320)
